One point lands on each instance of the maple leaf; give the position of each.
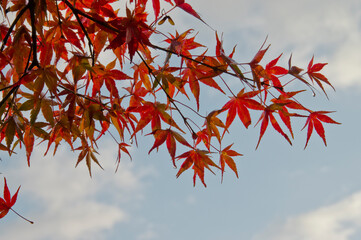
(240, 105)
(267, 116)
(198, 160)
(226, 158)
(259, 55)
(60, 132)
(87, 153)
(205, 137)
(195, 73)
(285, 101)
(169, 82)
(103, 8)
(122, 147)
(181, 45)
(29, 142)
(212, 123)
(107, 76)
(133, 30)
(105, 126)
(257, 70)
(295, 71)
(227, 60)
(170, 137)
(141, 72)
(122, 119)
(71, 36)
(188, 8)
(272, 70)
(153, 112)
(314, 121)
(8, 202)
(313, 73)
(156, 7)
(46, 53)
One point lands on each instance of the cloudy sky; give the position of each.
(283, 192)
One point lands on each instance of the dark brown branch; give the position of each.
(90, 44)
(108, 26)
(217, 69)
(16, 85)
(35, 61)
(83, 96)
(22, 11)
(15, 88)
(102, 23)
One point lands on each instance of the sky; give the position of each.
(283, 192)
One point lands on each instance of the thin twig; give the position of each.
(168, 96)
(90, 44)
(83, 96)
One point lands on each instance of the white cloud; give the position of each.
(346, 62)
(339, 221)
(329, 29)
(66, 203)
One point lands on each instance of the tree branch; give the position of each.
(90, 44)
(22, 11)
(35, 61)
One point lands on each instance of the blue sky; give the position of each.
(283, 193)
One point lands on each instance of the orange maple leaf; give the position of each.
(198, 160)
(226, 158)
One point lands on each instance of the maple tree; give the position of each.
(58, 89)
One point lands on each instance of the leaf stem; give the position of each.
(22, 216)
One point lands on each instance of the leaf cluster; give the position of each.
(58, 89)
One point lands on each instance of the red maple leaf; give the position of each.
(195, 73)
(314, 121)
(205, 137)
(153, 113)
(272, 70)
(181, 44)
(266, 116)
(7, 202)
(313, 73)
(133, 30)
(285, 101)
(240, 105)
(188, 8)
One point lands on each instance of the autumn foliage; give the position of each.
(8, 202)
(75, 71)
